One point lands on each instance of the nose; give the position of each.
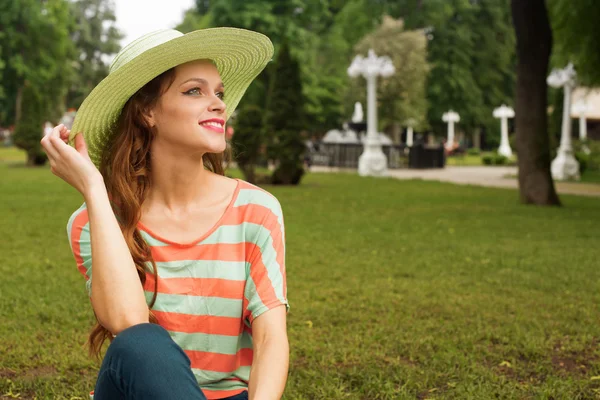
(217, 105)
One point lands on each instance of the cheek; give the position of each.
(177, 114)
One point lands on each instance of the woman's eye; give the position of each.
(193, 91)
(221, 95)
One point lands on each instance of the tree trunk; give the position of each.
(18, 104)
(534, 45)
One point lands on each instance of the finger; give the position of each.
(80, 145)
(59, 145)
(64, 135)
(56, 130)
(49, 148)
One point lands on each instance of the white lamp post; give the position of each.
(372, 161)
(504, 113)
(410, 123)
(564, 166)
(581, 108)
(450, 118)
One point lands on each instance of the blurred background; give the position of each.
(469, 270)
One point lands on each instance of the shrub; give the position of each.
(284, 120)
(29, 129)
(499, 159)
(582, 159)
(474, 151)
(487, 159)
(247, 140)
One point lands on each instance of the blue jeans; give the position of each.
(143, 362)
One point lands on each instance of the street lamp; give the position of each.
(410, 123)
(372, 161)
(564, 166)
(504, 113)
(581, 108)
(450, 118)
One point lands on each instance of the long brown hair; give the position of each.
(125, 166)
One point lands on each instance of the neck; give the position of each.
(179, 182)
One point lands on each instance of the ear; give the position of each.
(150, 117)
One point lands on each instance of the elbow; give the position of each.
(116, 326)
(116, 321)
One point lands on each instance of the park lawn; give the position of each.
(398, 290)
(464, 160)
(590, 176)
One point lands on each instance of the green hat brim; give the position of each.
(239, 55)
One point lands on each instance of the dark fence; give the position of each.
(345, 155)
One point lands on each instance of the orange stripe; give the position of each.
(255, 214)
(220, 251)
(206, 287)
(279, 246)
(221, 394)
(188, 323)
(217, 362)
(76, 231)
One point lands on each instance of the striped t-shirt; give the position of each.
(211, 290)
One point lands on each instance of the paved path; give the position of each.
(479, 176)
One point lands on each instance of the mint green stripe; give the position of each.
(151, 240)
(233, 234)
(256, 196)
(196, 305)
(85, 245)
(230, 270)
(206, 342)
(254, 301)
(214, 380)
(245, 340)
(71, 221)
(242, 373)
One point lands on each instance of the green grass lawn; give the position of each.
(591, 176)
(464, 160)
(398, 289)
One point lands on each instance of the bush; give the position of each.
(499, 159)
(247, 141)
(29, 129)
(474, 151)
(494, 159)
(582, 159)
(284, 120)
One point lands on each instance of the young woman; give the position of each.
(184, 266)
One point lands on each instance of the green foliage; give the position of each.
(473, 151)
(284, 119)
(401, 96)
(247, 141)
(577, 37)
(494, 159)
(29, 130)
(95, 36)
(36, 51)
(472, 54)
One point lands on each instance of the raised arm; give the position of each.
(117, 295)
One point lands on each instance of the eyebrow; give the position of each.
(202, 82)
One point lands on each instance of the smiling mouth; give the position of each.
(215, 126)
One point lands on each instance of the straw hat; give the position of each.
(239, 55)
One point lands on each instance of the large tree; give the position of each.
(37, 54)
(401, 96)
(577, 37)
(534, 46)
(96, 37)
(284, 119)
